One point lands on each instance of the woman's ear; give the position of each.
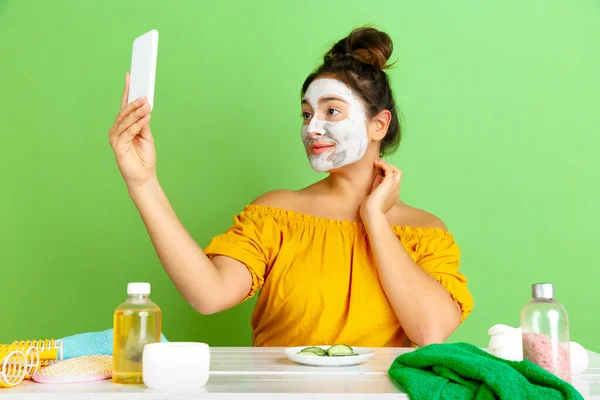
(381, 122)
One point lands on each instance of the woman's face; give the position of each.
(334, 132)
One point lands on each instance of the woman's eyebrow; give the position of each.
(331, 98)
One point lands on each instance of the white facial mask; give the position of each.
(348, 135)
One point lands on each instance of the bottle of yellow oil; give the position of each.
(137, 322)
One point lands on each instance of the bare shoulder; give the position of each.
(289, 199)
(405, 215)
(279, 199)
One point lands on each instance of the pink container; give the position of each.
(545, 326)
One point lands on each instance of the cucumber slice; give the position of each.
(340, 350)
(307, 353)
(314, 350)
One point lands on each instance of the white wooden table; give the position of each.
(265, 373)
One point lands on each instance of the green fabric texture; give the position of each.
(461, 371)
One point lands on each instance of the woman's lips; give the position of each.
(319, 148)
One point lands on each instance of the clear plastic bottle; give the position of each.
(545, 330)
(137, 322)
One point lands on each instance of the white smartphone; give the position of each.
(143, 67)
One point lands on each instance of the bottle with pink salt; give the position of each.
(545, 329)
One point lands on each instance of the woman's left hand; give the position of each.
(385, 192)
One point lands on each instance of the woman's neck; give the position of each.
(353, 182)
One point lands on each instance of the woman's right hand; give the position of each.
(131, 140)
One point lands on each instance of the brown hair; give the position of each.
(359, 60)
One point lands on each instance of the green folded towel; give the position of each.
(463, 371)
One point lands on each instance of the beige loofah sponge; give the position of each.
(78, 369)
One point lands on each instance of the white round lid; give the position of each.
(142, 288)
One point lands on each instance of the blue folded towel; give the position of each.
(90, 343)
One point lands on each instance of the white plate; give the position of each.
(363, 355)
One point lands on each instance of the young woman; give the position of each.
(341, 261)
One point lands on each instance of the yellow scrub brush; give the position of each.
(20, 360)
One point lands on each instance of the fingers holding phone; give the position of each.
(130, 135)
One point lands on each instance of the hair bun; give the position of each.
(367, 45)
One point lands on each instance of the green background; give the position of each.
(500, 103)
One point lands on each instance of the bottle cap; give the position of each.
(542, 291)
(140, 288)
